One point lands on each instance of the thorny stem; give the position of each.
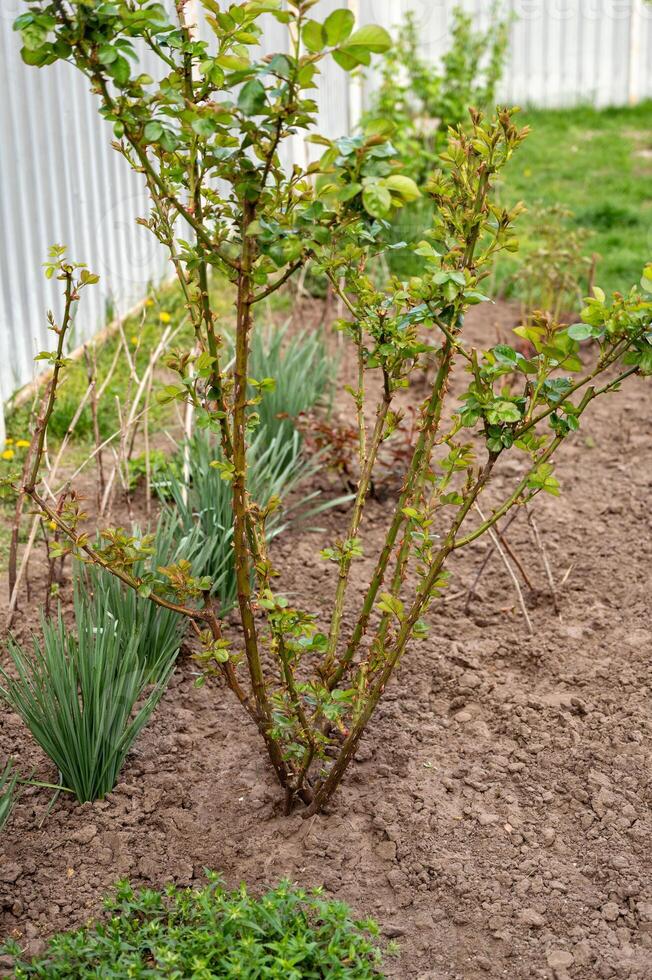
(241, 528)
(346, 559)
(34, 457)
(97, 559)
(328, 787)
(420, 458)
(44, 420)
(452, 543)
(405, 550)
(422, 452)
(156, 180)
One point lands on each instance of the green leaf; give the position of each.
(377, 200)
(107, 54)
(371, 37)
(405, 187)
(580, 331)
(504, 411)
(348, 59)
(168, 141)
(542, 479)
(251, 100)
(34, 36)
(390, 604)
(119, 70)
(338, 26)
(203, 127)
(39, 57)
(314, 36)
(153, 131)
(348, 192)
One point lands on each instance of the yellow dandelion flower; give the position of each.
(8, 454)
(164, 317)
(134, 340)
(22, 443)
(149, 302)
(52, 525)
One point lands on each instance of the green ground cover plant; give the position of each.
(286, 934)
(312, 683)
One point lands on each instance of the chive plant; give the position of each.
(108, 601)
(201, 510)
(303, 374)
(296, 374)
(85, 698)
(8, 779)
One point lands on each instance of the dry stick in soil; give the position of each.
(491, 551)
(35, 523)
(257, 224)
(497, 539)
(538, 541)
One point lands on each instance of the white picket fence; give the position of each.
(60, 181)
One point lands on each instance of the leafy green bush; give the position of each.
(8, 780)
(223, 200)
(417, 101)
(158, 631)
(285, 935)
(78, 696)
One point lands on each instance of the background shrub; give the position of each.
(285, 935)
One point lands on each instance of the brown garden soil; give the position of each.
(497, 821)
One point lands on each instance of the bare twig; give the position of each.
(538, 540)
(512, 574)
(91, 372)
(517, 561)
(491, 551)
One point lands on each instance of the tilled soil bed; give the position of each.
(497, 821)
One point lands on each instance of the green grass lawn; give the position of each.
(597, 164)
